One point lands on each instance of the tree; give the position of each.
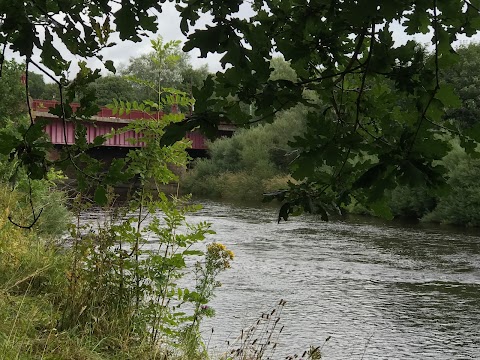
(281, 70)
(167, 65)
(358, 137)
(36, 86)
(363, 138)
(193, 77)
(164, 63)
(12, 92)
(464, 78)
(38, 89)
(112, 87)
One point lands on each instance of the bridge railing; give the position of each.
(105, 121)
(39, 105)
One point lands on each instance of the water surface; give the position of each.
(379, 290)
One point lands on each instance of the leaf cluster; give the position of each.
(380, 112)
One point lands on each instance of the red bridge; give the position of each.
(103, 123)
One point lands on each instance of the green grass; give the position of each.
(50, 311)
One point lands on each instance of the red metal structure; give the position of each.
(102, 124)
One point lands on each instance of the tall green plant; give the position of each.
(119, 282)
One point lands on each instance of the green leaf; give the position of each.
(446, 94)
(99, 140)
(125, 24)
(370, 176)
(8, 143)
(100, 196)
(110, 66)
(51, 57)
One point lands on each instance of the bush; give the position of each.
(414, 202)
(45, 197)
(246, 165)
(461, 206)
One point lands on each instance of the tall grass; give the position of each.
(94, 298)
(261, 339)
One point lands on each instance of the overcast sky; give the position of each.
(169, 29)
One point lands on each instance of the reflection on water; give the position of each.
(381, 291)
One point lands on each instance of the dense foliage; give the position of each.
(360, 140)
(365, 136)
(12, 92)
(460, 203)
(250, 163)
(254, 160)
(463, 76)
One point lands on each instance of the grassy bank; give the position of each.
(68, 299)
(99, 294)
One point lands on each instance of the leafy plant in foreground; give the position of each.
(126, 274)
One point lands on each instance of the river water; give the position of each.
(378, 290)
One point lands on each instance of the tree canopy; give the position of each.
(464, 76)
(378, 104)
(11, 92)
(167, 66)
(381, 103)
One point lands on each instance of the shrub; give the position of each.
(414, 202)
(240, 167)
(45, 197)
(461, 205)
(25, 257)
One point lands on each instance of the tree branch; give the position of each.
(437, 79)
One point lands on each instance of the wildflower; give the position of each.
(219, 256)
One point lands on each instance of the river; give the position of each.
(377, 289)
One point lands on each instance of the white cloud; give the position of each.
(169, 29)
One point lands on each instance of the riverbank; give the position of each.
(87, 297)
(34, 294)
(365, 284)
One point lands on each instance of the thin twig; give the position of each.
(35, 216)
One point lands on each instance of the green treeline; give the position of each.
(250, 163)
(256, 160)
(166, 64)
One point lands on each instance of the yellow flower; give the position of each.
(219, 254)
